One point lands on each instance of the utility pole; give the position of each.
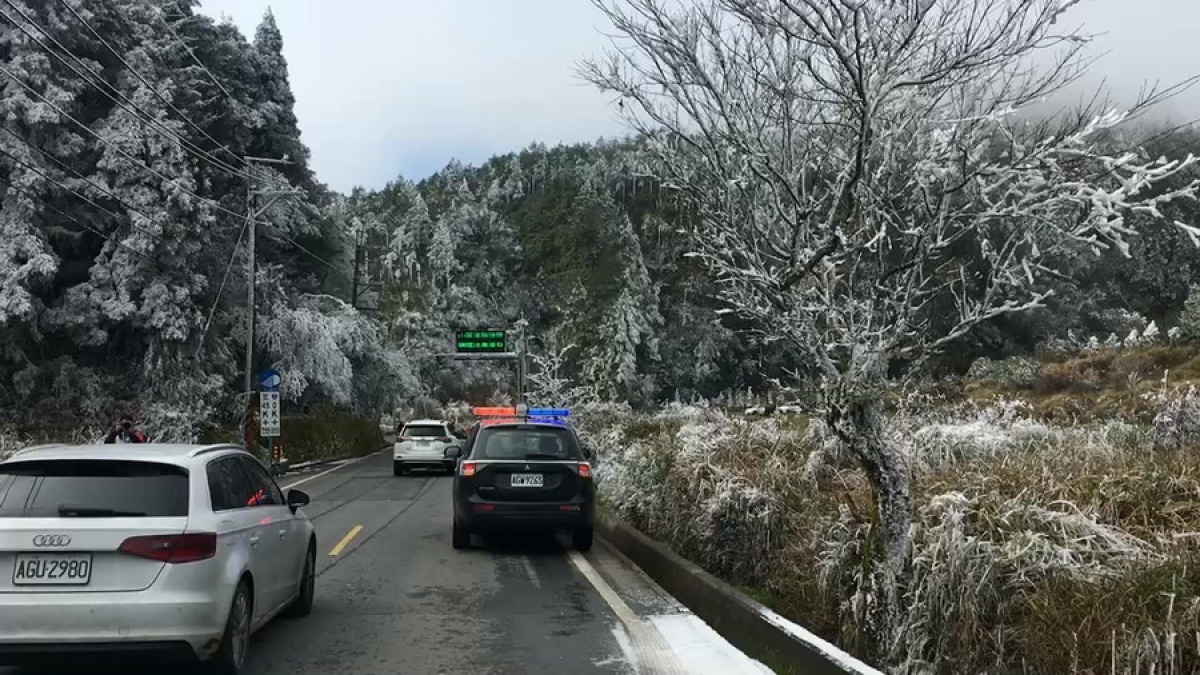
(251, 277)
(521, 356)
(253, 212)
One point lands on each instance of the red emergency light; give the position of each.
(494, 412)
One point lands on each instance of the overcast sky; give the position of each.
(399, 87)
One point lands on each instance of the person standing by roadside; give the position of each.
(124, 432)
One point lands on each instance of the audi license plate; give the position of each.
(527, 480)
(53, 569)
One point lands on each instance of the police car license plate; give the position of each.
(52, 569)
(527, 480)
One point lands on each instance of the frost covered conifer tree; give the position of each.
(442, 252)
(280, 128)
(628, 322)
(857, 167)
(406, 236)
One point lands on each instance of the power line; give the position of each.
(27, 193)
(72, 191)
(118, 149)
(80, 176)
(195, 59)
(124, 101)
(217, 301)
(125, 154)
(154, 90)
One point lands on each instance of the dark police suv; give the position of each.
(523, 472)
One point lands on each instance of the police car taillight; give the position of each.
(585, 470)
(466, 469)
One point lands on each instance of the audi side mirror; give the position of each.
(453, 452)
(297, 499)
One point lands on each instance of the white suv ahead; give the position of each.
(174, 552)
(423, 443)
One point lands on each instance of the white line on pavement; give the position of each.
(653, 655)
(326, 473)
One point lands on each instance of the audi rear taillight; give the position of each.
(466, 469)
(172, 548)
(585, 470)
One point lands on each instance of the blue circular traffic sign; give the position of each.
(269, 380)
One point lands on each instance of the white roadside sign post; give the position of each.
(269, 404)
(269, 414)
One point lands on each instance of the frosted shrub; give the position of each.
(739, 523)
(967, 433)
(1017, 371)
(631, 475)
(1177, 422)
(1189, 319)
(1122, 321)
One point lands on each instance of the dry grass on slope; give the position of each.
(1036, 548)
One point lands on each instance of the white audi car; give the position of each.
(422, 444)
(173, 552)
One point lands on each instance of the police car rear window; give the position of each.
(525, 443)
(92, 489)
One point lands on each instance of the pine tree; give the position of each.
(280, 129)
(1189, 320)
(442, 252)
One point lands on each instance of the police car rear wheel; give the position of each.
(461, 536)
(582, 539)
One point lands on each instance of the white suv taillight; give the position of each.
(172, 548)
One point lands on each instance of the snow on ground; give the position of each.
(700, 650)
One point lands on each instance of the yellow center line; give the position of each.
(346, 540)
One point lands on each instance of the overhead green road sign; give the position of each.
(480, 341)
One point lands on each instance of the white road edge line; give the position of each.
(624, 613)
(339, 467)
(652, 654)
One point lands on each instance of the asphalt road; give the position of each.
(393, 597)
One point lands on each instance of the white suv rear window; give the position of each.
(424, 431)
(92, 489)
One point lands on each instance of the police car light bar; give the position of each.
(549, 412)
(494, 412)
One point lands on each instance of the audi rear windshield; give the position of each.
(92, 489)
(527, 442)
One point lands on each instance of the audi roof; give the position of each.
(168, 452)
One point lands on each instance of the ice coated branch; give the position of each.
(859, 169)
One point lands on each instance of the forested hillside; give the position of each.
(125, 189)
(591, 250)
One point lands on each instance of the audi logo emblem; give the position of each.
(51, 540)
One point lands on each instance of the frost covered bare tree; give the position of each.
(869, 183)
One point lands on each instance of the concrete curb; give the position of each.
(749, 625)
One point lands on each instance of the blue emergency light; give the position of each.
(549, 412)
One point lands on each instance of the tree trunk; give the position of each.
(860, 425)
